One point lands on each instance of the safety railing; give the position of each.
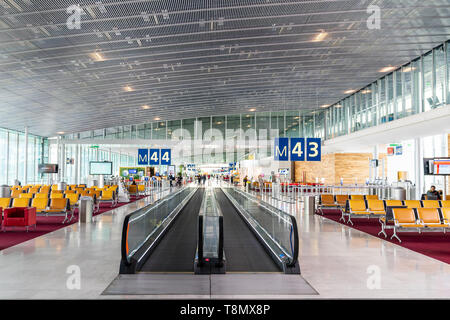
(210, 256)
(275, 229)
(143, 228)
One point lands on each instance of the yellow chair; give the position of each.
(5, 203)
(26, 195)
(358, 197)
(445, 203)
(44, 189)
(326, 201)
(21, 202)
(41, 204)
(16, 193)
(341, 200)
(411, 204)
(430, 204)
(355, 208)
(371, 197)
(60, 206)
(430, 218)
(108, 196)
(132, 189)
(141, 189)
(376, 207)
(392, 203)
(405, 219)
(56, 195)
(41, 195)
(73, 199)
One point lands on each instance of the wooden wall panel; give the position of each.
(334, 166)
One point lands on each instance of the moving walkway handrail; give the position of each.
(284, 249)
(210, 219)
(150, 223)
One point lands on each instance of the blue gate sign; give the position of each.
(313, 149)
(153, 157)
(166, 156)
(297, 149)
(142, 157)
(281, 149)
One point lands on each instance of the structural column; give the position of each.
(25, 174)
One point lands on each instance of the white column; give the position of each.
(17, 157)
(418, 167)
(77, 164)
(25, 175)
(7, 157)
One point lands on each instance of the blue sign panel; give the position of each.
(297, 149)
(281, 149)
(313, 149)
(166, 156)
(153, 157)
(142, 157)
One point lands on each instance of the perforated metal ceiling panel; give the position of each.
(192, 58)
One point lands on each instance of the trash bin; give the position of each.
(309, 203)
(398, 193)
(62, 186)
(86, 209)
(5, 191)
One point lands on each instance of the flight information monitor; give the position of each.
(100, 167)
(437, 166)
(441, 166)
(47, 168)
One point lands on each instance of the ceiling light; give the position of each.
(128, 88)
(97, 56)
(366, 91)
(145, 107)
(408, 69)
(387, 69)
(157, 118)
(325, 106)
(60, 132)
(252, 109)
(320, 37)
(349, 91)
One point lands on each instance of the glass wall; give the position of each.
(419, 86)
(19, 160)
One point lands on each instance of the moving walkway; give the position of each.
(207, 232)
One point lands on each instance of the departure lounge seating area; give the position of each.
(48, 200)
(399, 215)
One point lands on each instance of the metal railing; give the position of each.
(143, 228)
(275, 229)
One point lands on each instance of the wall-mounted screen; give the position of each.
(47, 168)
(441, 166)
(100, 167)
(436, 166)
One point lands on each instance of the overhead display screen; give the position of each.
(100, 167)
(441, 166)
(47, 168)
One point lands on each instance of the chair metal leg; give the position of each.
(396, 236)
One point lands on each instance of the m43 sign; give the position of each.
(297, 149)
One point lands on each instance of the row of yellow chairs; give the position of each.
(136, 189)
(44, 206)
(419, 220)
(328, 201)
(377, 208)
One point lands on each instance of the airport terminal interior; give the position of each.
(224, 149)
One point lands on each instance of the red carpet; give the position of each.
(45, 225)
(432, 244)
